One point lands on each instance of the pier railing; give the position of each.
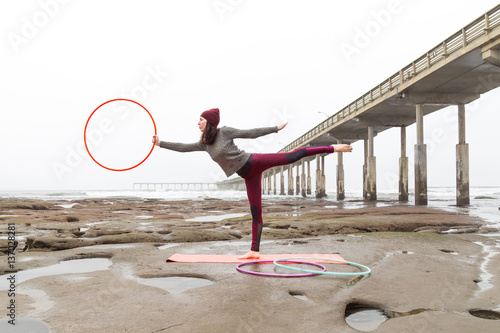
(439, 54)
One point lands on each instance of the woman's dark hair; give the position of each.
(209, 134)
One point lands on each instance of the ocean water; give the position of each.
(484, 201)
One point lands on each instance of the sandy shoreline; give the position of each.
(426, 266)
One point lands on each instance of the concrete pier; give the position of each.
(420, 160)
(455, 72)
(463, 196)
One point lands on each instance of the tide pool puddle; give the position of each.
(485, 314)
(176, 284)
(64, 267)
(67, 205)
(40, 301)
(111, 246)
(24, 325)
(365, 319)
(215, 218)
(486, 276)
(368, 318)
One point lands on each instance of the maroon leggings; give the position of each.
(252, 173)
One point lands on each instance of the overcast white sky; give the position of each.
(260, 62)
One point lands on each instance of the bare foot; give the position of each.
(251, 255)
(342, 148)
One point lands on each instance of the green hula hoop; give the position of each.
(366, 272)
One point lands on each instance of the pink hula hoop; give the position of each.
(279, 275)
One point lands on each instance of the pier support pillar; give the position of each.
(303, 180)
(269, 183)
(320, 177)
(463, 196)
(371, 167)
(420, 160)
(309, 177)
(340, 175)
(297, 180)
(290, 180)
(323, 178)
(403, 168)
(263, 183)
(282, 181)
(365, 170)
(274, 181)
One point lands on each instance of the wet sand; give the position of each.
(421, 259)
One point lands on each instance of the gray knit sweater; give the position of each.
(223, 150)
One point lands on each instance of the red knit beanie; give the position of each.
(212, 116)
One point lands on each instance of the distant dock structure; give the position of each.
(174, 186)
(231, 184)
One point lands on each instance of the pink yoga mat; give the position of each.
(233, 259)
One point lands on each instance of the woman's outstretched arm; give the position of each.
(180, 147)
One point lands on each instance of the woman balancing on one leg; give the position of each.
(218, 143)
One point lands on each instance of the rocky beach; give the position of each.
(428, 267)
